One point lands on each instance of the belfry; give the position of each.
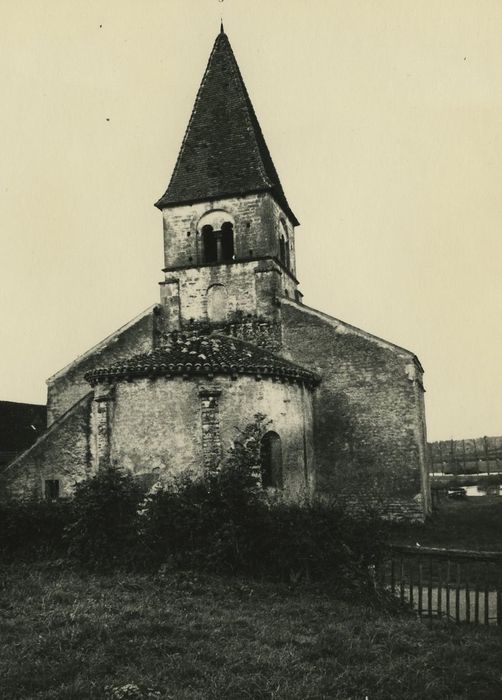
(228, 227)
(232, 338)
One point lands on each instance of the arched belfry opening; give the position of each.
(209, 248)
(227, 241)
(282, 250)
(284, 244)
(271, 460)
(216, 229)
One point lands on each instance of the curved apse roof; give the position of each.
(192, 354)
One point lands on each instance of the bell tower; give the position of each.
(229, 248)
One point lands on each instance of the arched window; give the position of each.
(209, 244)
(284, 244)
(271, 460)
(227, 241)
(216, 297)
(216, 231)
(282, 250)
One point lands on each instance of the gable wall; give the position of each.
(62, 453)
(369, 410)
(66, 387)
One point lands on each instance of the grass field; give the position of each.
(473, 523)
(68, 635)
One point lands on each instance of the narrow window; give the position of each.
(282, 250)
(51, 489)
(271, 460)
(284, 245)
(227, 241)
(209, 244)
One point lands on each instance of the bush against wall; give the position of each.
(214, 520)
(224, 521)
(221, 521)
(33, 529)
(103, 528)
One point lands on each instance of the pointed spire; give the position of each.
(223, 153)
(222, 31)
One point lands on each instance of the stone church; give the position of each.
(231, 338)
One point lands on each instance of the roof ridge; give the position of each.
(190, 121)
(50, 429)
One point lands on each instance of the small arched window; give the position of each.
(271, 460)
(216, 231)
(209, 247)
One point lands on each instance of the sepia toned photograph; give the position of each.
(250, 417)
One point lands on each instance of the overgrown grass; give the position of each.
(68, 635)
(473, 523)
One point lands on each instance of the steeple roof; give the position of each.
(223, 153)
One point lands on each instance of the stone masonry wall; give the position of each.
(67, 386)
(369, 422)
(251, 288)
(210, 423)
(256, 229)
(156, 425)
(172, 425)
(289, 407)
(63, 453)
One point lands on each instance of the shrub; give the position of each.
(223, 521)
(210, 522)
(104, 520)
(33, 529)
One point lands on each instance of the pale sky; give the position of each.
(384, 120)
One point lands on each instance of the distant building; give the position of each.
(21, 424)
(231, 338)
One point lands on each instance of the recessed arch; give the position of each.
(217, 303)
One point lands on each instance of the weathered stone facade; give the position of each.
(174, 425)
(230, 339)
(68, 385)
(369, 409)
(256, 224)
(62, 453)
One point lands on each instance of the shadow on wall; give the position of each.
(354, 469)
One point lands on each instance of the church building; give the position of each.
(231, 338)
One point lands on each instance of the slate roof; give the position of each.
(223, 152)
(192, 354)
